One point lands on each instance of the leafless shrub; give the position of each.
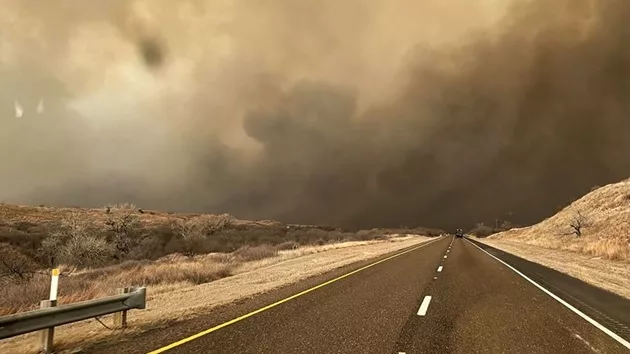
(288, 245)
(125, 229)
(365, 235)
(203, 225)
(249, 253)
(76, 242)
(221, 257)
(121, 207)
(222, 221)
(14, 265)
(191, 229)
(194, 230)
(578, 222)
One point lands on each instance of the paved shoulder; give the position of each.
(608, 309)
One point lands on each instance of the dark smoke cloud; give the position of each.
(521, 116)
(152, 52)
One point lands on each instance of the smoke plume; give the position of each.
(355, 113)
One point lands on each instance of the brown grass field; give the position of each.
(588, 240)
(602, 218)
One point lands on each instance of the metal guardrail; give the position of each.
(46, 318)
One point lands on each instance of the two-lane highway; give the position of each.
(446, 296)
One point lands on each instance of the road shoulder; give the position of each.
(609, 309)
(612, 276)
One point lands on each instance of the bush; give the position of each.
(77, 243)
(124, 227)
(14, 265)
(288, 245)
(193, 233)
(249, 253)
(365, 235)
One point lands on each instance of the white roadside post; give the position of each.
(48, 334)
(54, 284)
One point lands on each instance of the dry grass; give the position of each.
(179, 297)
(603, 273)
(605, 232)
(254, 253)
(124, 232)
(46, 214)
(91, 284)
(171, 272)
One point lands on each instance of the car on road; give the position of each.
(459, 233)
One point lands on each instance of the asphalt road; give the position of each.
(448, 296)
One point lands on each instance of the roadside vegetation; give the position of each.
(597, 225)
(121, 245)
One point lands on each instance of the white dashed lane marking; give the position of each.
(424, 306)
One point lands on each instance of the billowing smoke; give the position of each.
(355, 113)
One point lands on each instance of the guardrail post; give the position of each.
(48, 334)
(120, 318)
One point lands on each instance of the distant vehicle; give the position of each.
(459, 233)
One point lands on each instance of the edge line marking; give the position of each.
(599, 326)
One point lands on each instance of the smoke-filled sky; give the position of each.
(356, 113)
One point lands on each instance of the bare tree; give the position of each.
(15, 265)
(76, 242)
(192, 231)
(124, 226)
(578, 222)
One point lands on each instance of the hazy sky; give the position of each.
(354, 112)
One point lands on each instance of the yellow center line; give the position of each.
(215, 328)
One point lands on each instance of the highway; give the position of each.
(444, 296)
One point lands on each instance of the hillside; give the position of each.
(597, 224)
(133, 233)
